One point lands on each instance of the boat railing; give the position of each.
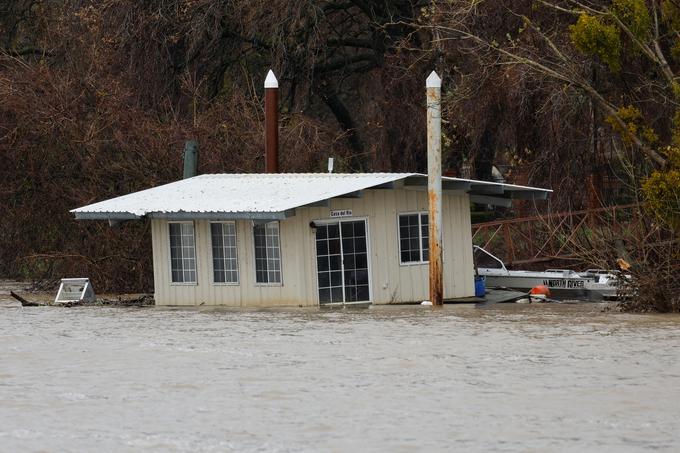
(476, 247)
(564, 272)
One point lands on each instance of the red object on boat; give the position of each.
(540, 290)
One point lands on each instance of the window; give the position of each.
(413, 238)
(182, 252)
(225, 262)
(267, 253)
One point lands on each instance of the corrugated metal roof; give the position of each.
(263, 196)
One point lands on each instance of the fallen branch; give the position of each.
(24, 302)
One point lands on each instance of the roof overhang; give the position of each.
(102, 215)
(280, 215)
(264, 197)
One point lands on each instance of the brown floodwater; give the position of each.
(536, 378)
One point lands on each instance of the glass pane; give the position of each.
(324, 279)
(321, 232)
(336, 294)
(403, 233)
(324, 295)
(347, 230)
(335, 262)
(175, 229)
(362, 293)
(351, 294)
(322, 247)
(322, 264)
(333, 231)
(336, 278)
(347, 245)
(333, 246)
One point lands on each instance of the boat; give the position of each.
(564, 284)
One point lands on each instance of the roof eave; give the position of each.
(83, 215)
(187, 215)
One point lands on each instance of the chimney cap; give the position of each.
(270, 81)
(433, 81)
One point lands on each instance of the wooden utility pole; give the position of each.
(271, 123)
(434, 186)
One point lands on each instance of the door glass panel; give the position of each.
(329, 263)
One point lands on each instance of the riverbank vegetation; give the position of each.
(97, 99)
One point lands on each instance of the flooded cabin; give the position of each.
(269, 240)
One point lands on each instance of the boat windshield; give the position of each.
(486, 260)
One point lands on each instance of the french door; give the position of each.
(342, 262)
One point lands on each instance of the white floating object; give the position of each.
(75, 290)
(426, 302)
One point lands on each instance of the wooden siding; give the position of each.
(391, 282)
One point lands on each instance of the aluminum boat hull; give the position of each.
(562, 285)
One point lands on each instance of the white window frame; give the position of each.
(212, 260)
(278, 228)
(420, 237)
(195, 282)
(328, 221)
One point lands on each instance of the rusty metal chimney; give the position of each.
(434, 186)
(271, 123)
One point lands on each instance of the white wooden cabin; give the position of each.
(268, 240)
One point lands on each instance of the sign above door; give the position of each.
(341, 213)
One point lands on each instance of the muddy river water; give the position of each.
(505, 378)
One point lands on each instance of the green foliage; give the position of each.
(597, 35)
(675, 50)
(634, 126)
(592, 36)
(676, 128)
(635, 15)
(670, 13)
(662, 190)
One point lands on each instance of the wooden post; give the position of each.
(271, 123)
(434, 186)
